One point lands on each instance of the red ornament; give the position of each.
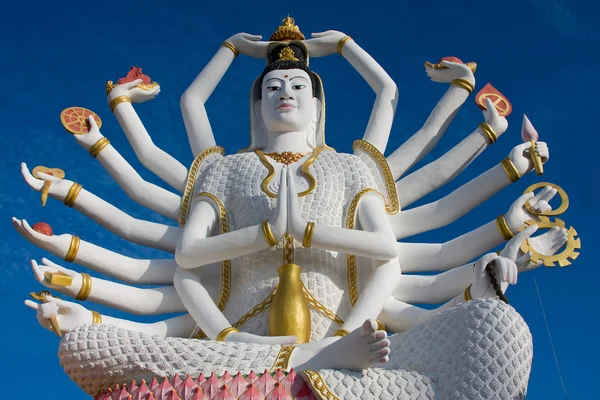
(498, 100)
(42, 228)
(451, 59)
(133, 74)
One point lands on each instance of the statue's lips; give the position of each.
(286, 107)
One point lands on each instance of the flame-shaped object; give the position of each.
(530, 134)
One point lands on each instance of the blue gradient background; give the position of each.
(543, 55)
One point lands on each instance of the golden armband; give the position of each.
(341, 332)
(98, 147)
(463, 83)
(308, 234)
(96, 318)
(118, 100)
(269, 238)
(225, 332)
(73, 249)
(231, 47)
(342, 43)
(86, 287)
(468, 296)
(503, 228)
(488, 132)
(72, 194)
(511, 170)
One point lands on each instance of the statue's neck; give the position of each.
(278, 142)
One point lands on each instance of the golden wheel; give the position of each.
(74, 120)
(561, 192)
(563, 258)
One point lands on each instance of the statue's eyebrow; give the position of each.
(299, 76)
(270, 79)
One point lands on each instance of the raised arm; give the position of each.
(382, 115)
(164, 165)
(453, 206)
(158, 236)
(193, 110)
(438, 173)
(421, 143)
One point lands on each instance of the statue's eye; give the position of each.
(273, 88)
(298, 87)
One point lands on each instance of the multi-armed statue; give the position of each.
(286, 254)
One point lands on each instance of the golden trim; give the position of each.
(288, 249)
(118, 100)
(226, 264)
(58, 278)
(308, 234)
(73, 249)
(283, 358)
(342, 42)
(393, 206)
(468, 293)
(231, 47)
(71, 196)
(312, 182)
(97, 147)
(317, 306)
(564, 205)
(341, 332)
(511, 171)
(96, 318)
(268, 234)
(463, 83)
(488, 132)
(563, 258)
(110, 86)
(503, 228)
(471, 64)
(86, 287)
(318, 385)
(191, 181)
(223, 334)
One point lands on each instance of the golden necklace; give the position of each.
(287, 157)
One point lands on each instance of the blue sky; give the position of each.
(543, 55)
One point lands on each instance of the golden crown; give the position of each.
(287, 31)
(287, 54)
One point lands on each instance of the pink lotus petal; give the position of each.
(224, 394)
(225, 378)
(251, 378)
(122, 394)
(187, 388)
(132, 387)
(251, 393)
(278, 375)
(162, 391)
(265, 383)
(198, 395)
(200, 379)
(238, 385)
(279, 393)
(153, 384)
(304, 393)
(176, 381)
(211, 386)
(293, 382)
(143, 392)
(528, 132)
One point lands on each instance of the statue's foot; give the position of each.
(360, 349)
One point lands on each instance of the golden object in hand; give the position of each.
(96, 318)
(223, 334)
(341, 332)
(86, 287)
(342, 43)
(308, 234)
(269, 238)
(56, 172)
(511, 170)
(118, 100)
(536, 159)
(42, 296)
(73, 249)
(561, 192)
(463, 83)
(503, 228)
(289, 314)
(72, 194)
(563, 258)
(58, 278)
(488, 132)
(97, 147)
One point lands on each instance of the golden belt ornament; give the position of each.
(570, 252)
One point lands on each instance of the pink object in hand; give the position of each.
(528, 132)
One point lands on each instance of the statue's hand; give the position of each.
(278, 221)
(517, 214)
(547, 243)
(58, 189)
(136, 94)
(87, 140)
(296, 222)
(519, 155)
(245, 337)
(55, 244)
(323, 43)
(454, 71)
(499, 124)
(48, 266)
(68, 314)
(249, 45)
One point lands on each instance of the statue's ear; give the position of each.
(258, 126)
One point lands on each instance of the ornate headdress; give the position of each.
(287, 31)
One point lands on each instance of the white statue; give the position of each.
(290, 199)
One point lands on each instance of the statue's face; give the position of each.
(287, 101)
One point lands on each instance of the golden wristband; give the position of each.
(269, 238)
(341, 332)
(468, 296)
(223, 334)
(231, 47)
(72, 194)
(503, 228)
(98, 147)
(511, 171)
(488, 132)
(308, 234)
(463, 83)
(86, 287)
(118, 100)
(96, 318)
(73, 249)
(342, 43)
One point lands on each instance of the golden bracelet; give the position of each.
(468, 296)
(231, 47)
(463, 83)
(511, 171)
(73, 249)
(86, 287)
(488, 132)
(503, 228)
(308, 234)
(98, 147)
(118, 100)
(223, 334)
(341, 332)
(96, 318)
(72, 194)
(342, 43)
(270, 239)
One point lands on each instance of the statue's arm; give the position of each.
(151, 156)
(438, 173)
(422, 142)
(453, 206)
(139, 190)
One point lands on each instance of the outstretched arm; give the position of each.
(422, 142)
(453, 206)
(152, 157)
(382, 115)
(438, 173)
